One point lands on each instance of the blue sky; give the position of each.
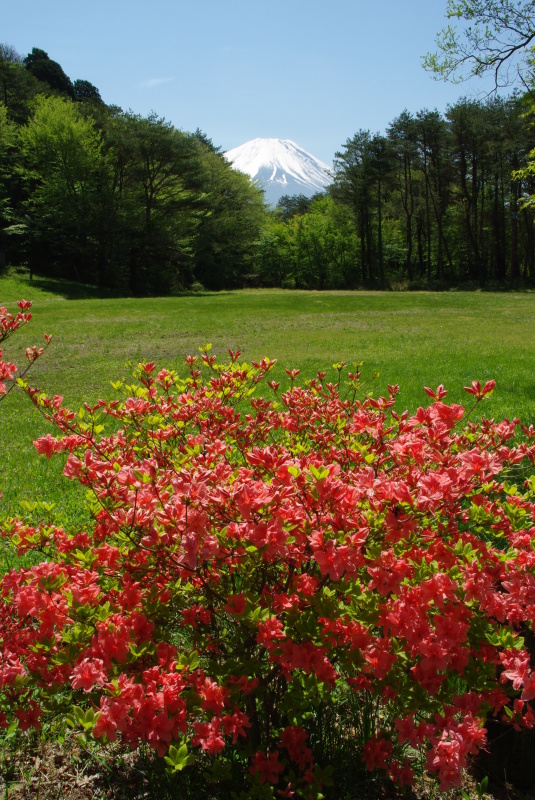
(315, 72)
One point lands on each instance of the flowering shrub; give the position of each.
(252, 560)
(8, 325)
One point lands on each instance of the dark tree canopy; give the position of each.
(207, 142)
(290, 205)
(42, 67)
(84, 90)
(488, 36)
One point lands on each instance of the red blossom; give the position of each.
(236, 724)
(436, 394)
(46, 445)
(29, 718)
(87, 673)
(235, 604)
(267, 767)
(377, 752)
(479, 392)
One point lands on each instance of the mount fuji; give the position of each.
(280, 167)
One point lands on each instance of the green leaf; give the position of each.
(178, 758)
(319, 474)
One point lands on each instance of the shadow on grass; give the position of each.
(69, 290)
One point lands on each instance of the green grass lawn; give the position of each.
(413, 339)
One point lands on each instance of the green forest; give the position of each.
(97, 195)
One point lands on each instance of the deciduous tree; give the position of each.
(63, 163)
(489, 36)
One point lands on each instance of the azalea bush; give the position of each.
(264, 564)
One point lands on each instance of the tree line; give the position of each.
(439, 200)
(94, 194)
(91, 193)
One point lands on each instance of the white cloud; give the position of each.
(155, 82)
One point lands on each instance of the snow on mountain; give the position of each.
(280, 166)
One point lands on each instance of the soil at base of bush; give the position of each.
(70, 771)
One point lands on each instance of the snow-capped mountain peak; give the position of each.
(280, 167)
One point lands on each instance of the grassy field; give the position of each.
(413, 339)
